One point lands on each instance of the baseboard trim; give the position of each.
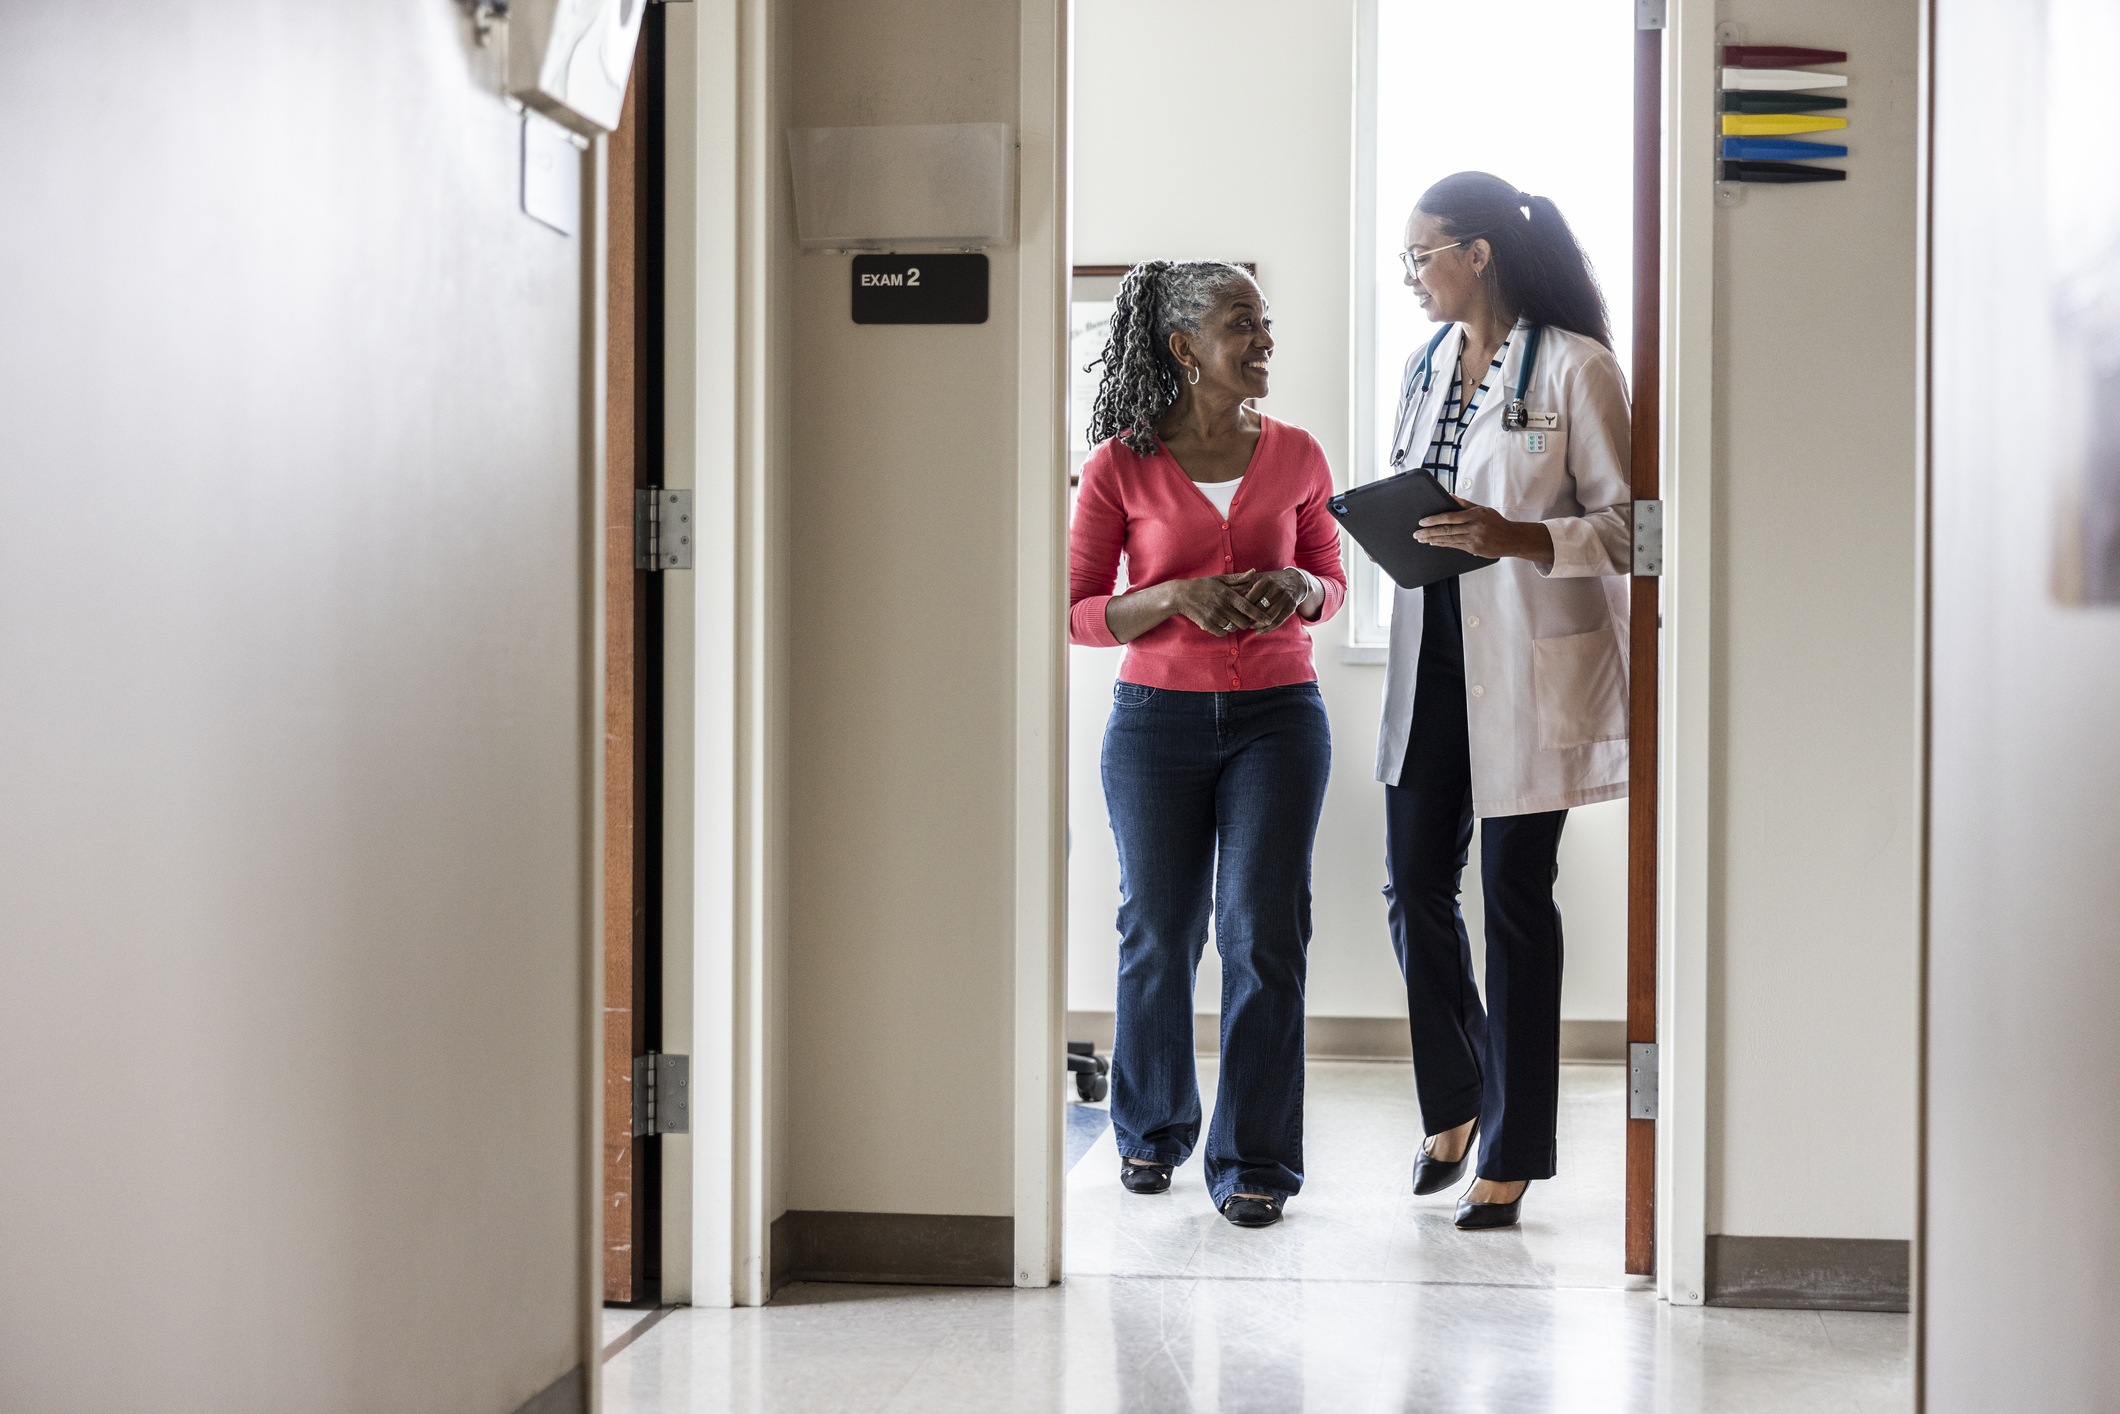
(909, 1249)
(1367, 1037)
(1594, 1042)
(569, 1394)
(1808, 1273)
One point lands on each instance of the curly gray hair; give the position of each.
(1157, 298)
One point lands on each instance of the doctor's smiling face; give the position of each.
(1445, 274)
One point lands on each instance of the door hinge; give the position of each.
(1649, 538)
(1648, 14)
(662, 1094)
(662, 529)
(1641, 1080)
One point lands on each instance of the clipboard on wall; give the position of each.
(1382, 517)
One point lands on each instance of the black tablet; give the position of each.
(1383, 515)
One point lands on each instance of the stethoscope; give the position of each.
(1514, 417)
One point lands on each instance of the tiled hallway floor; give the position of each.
(1365, 1298)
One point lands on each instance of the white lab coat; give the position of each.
(1545, 649)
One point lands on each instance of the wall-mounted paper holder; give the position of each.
(935, 186)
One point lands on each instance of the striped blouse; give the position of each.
(1450, 428)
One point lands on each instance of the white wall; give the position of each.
(294, 730)
(1811, 982)
(902, 662)
(2024, 942)
(1278, 191)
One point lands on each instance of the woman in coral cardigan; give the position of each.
(1217, 753)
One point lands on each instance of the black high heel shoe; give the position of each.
(1144, 1178)
(1433, 1175)
(1484, 1217)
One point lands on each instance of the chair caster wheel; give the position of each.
(1090, 1070)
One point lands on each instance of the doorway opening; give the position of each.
(633, 681)
(1413, 122)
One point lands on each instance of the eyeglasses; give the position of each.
(1416, 261)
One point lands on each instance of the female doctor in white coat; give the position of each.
(1506, 691)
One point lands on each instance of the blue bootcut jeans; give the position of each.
(1214, 800)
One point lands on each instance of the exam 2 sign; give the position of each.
(920, 289)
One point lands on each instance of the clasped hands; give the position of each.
(1486, 532)
(1256, 601)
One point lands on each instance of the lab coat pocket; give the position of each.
(1528, 481)
(1579, 685)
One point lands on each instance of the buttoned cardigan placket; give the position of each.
(1229, 543)
(1229, 559)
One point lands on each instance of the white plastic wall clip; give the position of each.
(1778, 80)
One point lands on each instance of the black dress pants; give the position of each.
(1501, 1063)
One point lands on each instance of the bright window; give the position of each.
(1538, 92)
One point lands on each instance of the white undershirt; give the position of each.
(1221, 493)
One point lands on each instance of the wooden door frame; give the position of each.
(1645, 621)
(632, 453)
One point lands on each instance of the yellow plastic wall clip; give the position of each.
(1777, 124)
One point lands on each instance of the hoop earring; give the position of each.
(1195, 379)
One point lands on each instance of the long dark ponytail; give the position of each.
(1157, 298)
(1541, 271)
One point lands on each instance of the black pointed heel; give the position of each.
(1433, 1175)
(1484, 1217)
(1144, 1178)
(1252, 1212)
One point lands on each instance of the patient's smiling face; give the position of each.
(1233, 346)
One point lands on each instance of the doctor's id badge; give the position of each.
(1515, 418)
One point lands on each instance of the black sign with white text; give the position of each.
(920, 289)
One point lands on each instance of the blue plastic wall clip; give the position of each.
(1777, 149)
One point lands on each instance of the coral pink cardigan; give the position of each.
(1148, 509)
